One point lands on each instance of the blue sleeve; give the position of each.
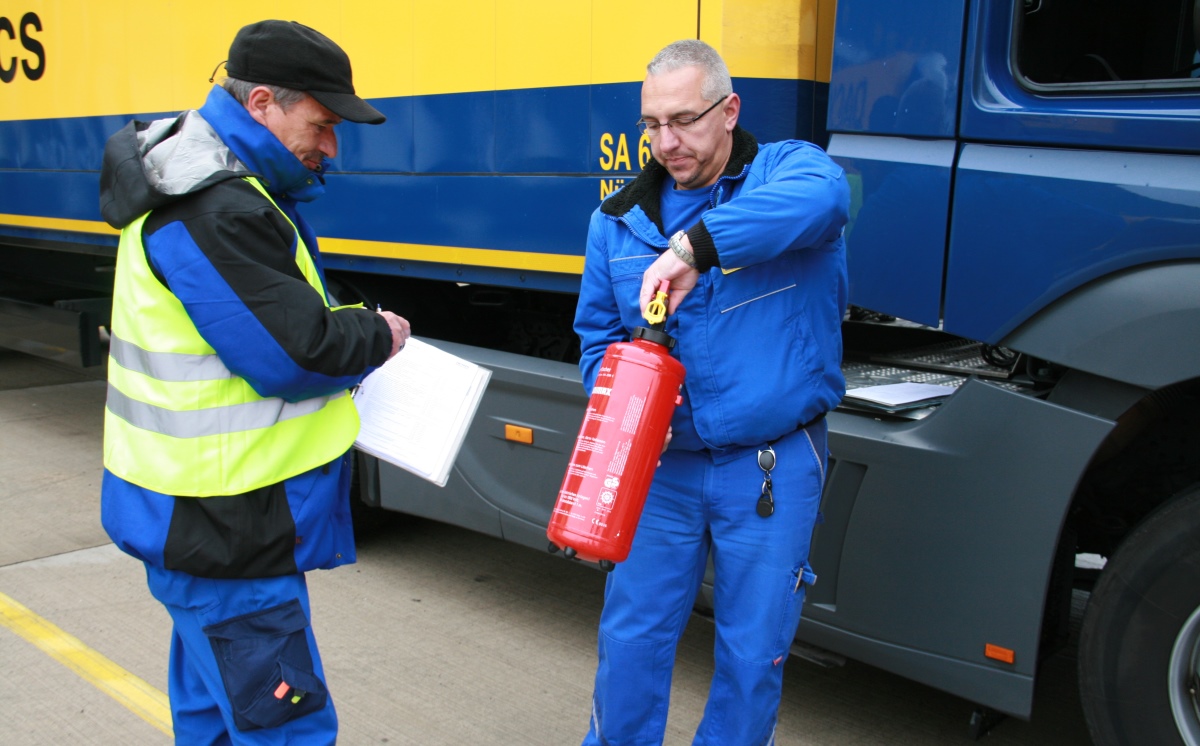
(597, 318)
(795, 197)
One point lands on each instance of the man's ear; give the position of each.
(732, 109)
(257, 103)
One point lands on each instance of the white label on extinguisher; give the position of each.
(595, 415)
(604, 506)
(576, 470)
(633, 414)
(569, 499)
(617, 464)
(587, 443)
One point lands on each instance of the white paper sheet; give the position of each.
(900, 394)
(417, 407)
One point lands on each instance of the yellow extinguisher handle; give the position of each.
(656, 310)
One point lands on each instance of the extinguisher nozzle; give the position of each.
(656, 310)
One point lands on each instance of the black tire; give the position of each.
(1139, 648)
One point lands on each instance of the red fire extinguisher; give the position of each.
(619, 444)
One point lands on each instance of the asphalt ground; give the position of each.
(437, 636)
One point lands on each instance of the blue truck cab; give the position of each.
(1027, 186)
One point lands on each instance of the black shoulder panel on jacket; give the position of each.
(232, 223)
(252, 246)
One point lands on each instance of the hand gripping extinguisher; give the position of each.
(619, 444)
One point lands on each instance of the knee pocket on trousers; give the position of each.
(267, 666)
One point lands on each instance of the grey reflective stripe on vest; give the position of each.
(196, 423)
(167, 366)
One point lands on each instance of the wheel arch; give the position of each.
(1143, 464)
(1144, 461)
(1136, 326)
(1147, 457)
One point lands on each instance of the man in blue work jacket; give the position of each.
(750, 238)
(228, 424)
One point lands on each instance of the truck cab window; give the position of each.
(1108, 44)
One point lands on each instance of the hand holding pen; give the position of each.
(399, 326)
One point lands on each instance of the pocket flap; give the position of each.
(284, 619)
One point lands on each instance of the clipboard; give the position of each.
(416, 408)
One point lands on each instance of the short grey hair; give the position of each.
(693, 52)
(240, 90)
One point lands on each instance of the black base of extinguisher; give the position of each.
(570, 553)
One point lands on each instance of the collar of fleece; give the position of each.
(644, 191)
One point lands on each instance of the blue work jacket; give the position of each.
(760, 335)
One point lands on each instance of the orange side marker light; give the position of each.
(518, 434)
(995, 652)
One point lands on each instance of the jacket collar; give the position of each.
(262, 152)
(646, 189)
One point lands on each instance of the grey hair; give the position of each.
(240, 90)
(693, 52)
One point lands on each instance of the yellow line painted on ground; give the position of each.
(135, 694)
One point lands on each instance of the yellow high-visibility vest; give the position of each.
(177, 421)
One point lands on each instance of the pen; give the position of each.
(378, 308)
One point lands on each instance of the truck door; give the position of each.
(1079, 130)
(893, 104)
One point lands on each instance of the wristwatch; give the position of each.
(676, 244)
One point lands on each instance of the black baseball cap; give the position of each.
(292, 55)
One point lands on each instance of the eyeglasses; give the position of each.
(683, 124)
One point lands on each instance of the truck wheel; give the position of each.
(1139, 648)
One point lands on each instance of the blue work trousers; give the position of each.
(701, 502)
(244, 663)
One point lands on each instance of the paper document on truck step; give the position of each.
(416, 408)
(894, 397)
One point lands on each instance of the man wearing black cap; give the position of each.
(228, 426)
